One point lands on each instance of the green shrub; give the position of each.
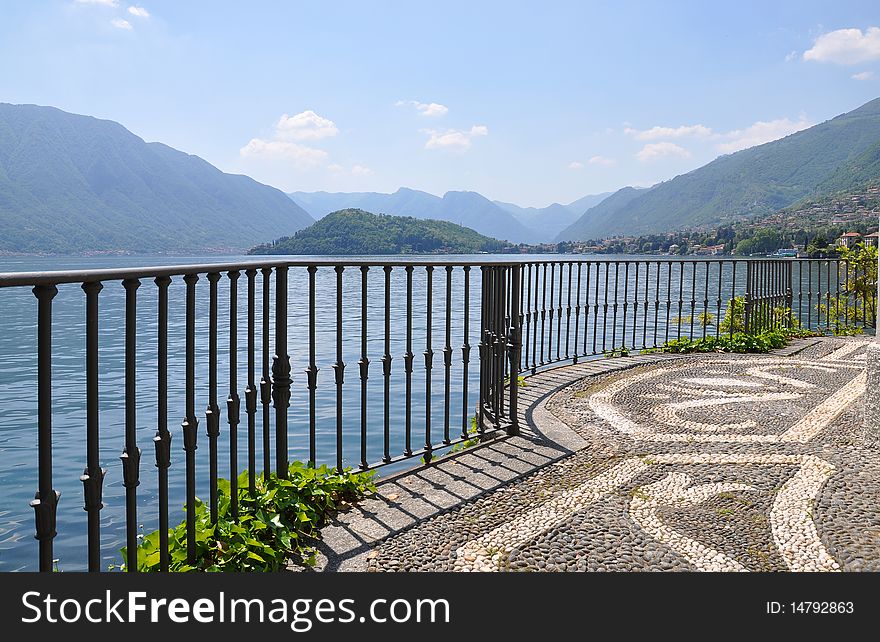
(734, 316)
(738, 342)
(276, 524)
(855, 297)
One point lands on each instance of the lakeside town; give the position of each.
(815, 228)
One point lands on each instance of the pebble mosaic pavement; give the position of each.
(691, 463)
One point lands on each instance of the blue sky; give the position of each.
(529, 102)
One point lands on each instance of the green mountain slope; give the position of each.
(856, 173)
(354, 231)
(72, 183)
(600, 216)
(753, 181)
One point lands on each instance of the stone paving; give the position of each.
(649, 463)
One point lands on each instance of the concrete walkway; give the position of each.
(650, 462)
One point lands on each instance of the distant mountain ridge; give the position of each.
(549, 221)
(830, 156)
(501, 220)
(71, 183)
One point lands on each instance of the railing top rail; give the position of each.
(57, 277)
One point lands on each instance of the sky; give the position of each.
(525, 102)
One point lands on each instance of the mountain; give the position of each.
(71, 183)
(465, 208)
(753, 181)
(549, 221)
(354, 231)
(601, 216)
(855, 173)
(586, 202)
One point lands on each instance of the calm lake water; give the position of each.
(18, 407)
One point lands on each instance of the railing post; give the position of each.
(747, 314)
(131, 454)
(514, 341)
(162, 440)
(190, 423)
(281, 372)
(45, 500)
(93, 475)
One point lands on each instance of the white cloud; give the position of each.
(791, 55)
(454, 139)
(761, 132)
(140, 12)
(863, 75)
(106, 3)
(575, 165)
(601, 160)
(306, 125)
(433, 110)
(356, 170)
(846, 46)
(119, 23)
(301, 155)
(656, 151)
(655, 133)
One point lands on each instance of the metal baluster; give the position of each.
(266, 378)
(45, 500)
(93, 475)
(364, 367)
(162, 440)
(535, 331)
(668, 296)
(718, 302)
(645, 306)
(528, 314)
(596, 308)
(497, 324)
(732, 297)
(657, 304)
(386, 369)
(212, 413)
(693, 296)
(559, 315)
(312, 369)
(605, 308)
(131, 454)
(514, 344)
(408, 363)
(447, 356)
(635, 303)
(680, 296)
(567, 313)
(809, 295)
(482, 346)
(281, 373)
(577, 314)
(429, 361)
(190, 423)
(552, 313)
(339, 367)
(625, 299)
(586, 310)
(465, 352)
(233, 403)
(250, 393)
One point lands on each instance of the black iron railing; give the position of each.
(284, 323)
